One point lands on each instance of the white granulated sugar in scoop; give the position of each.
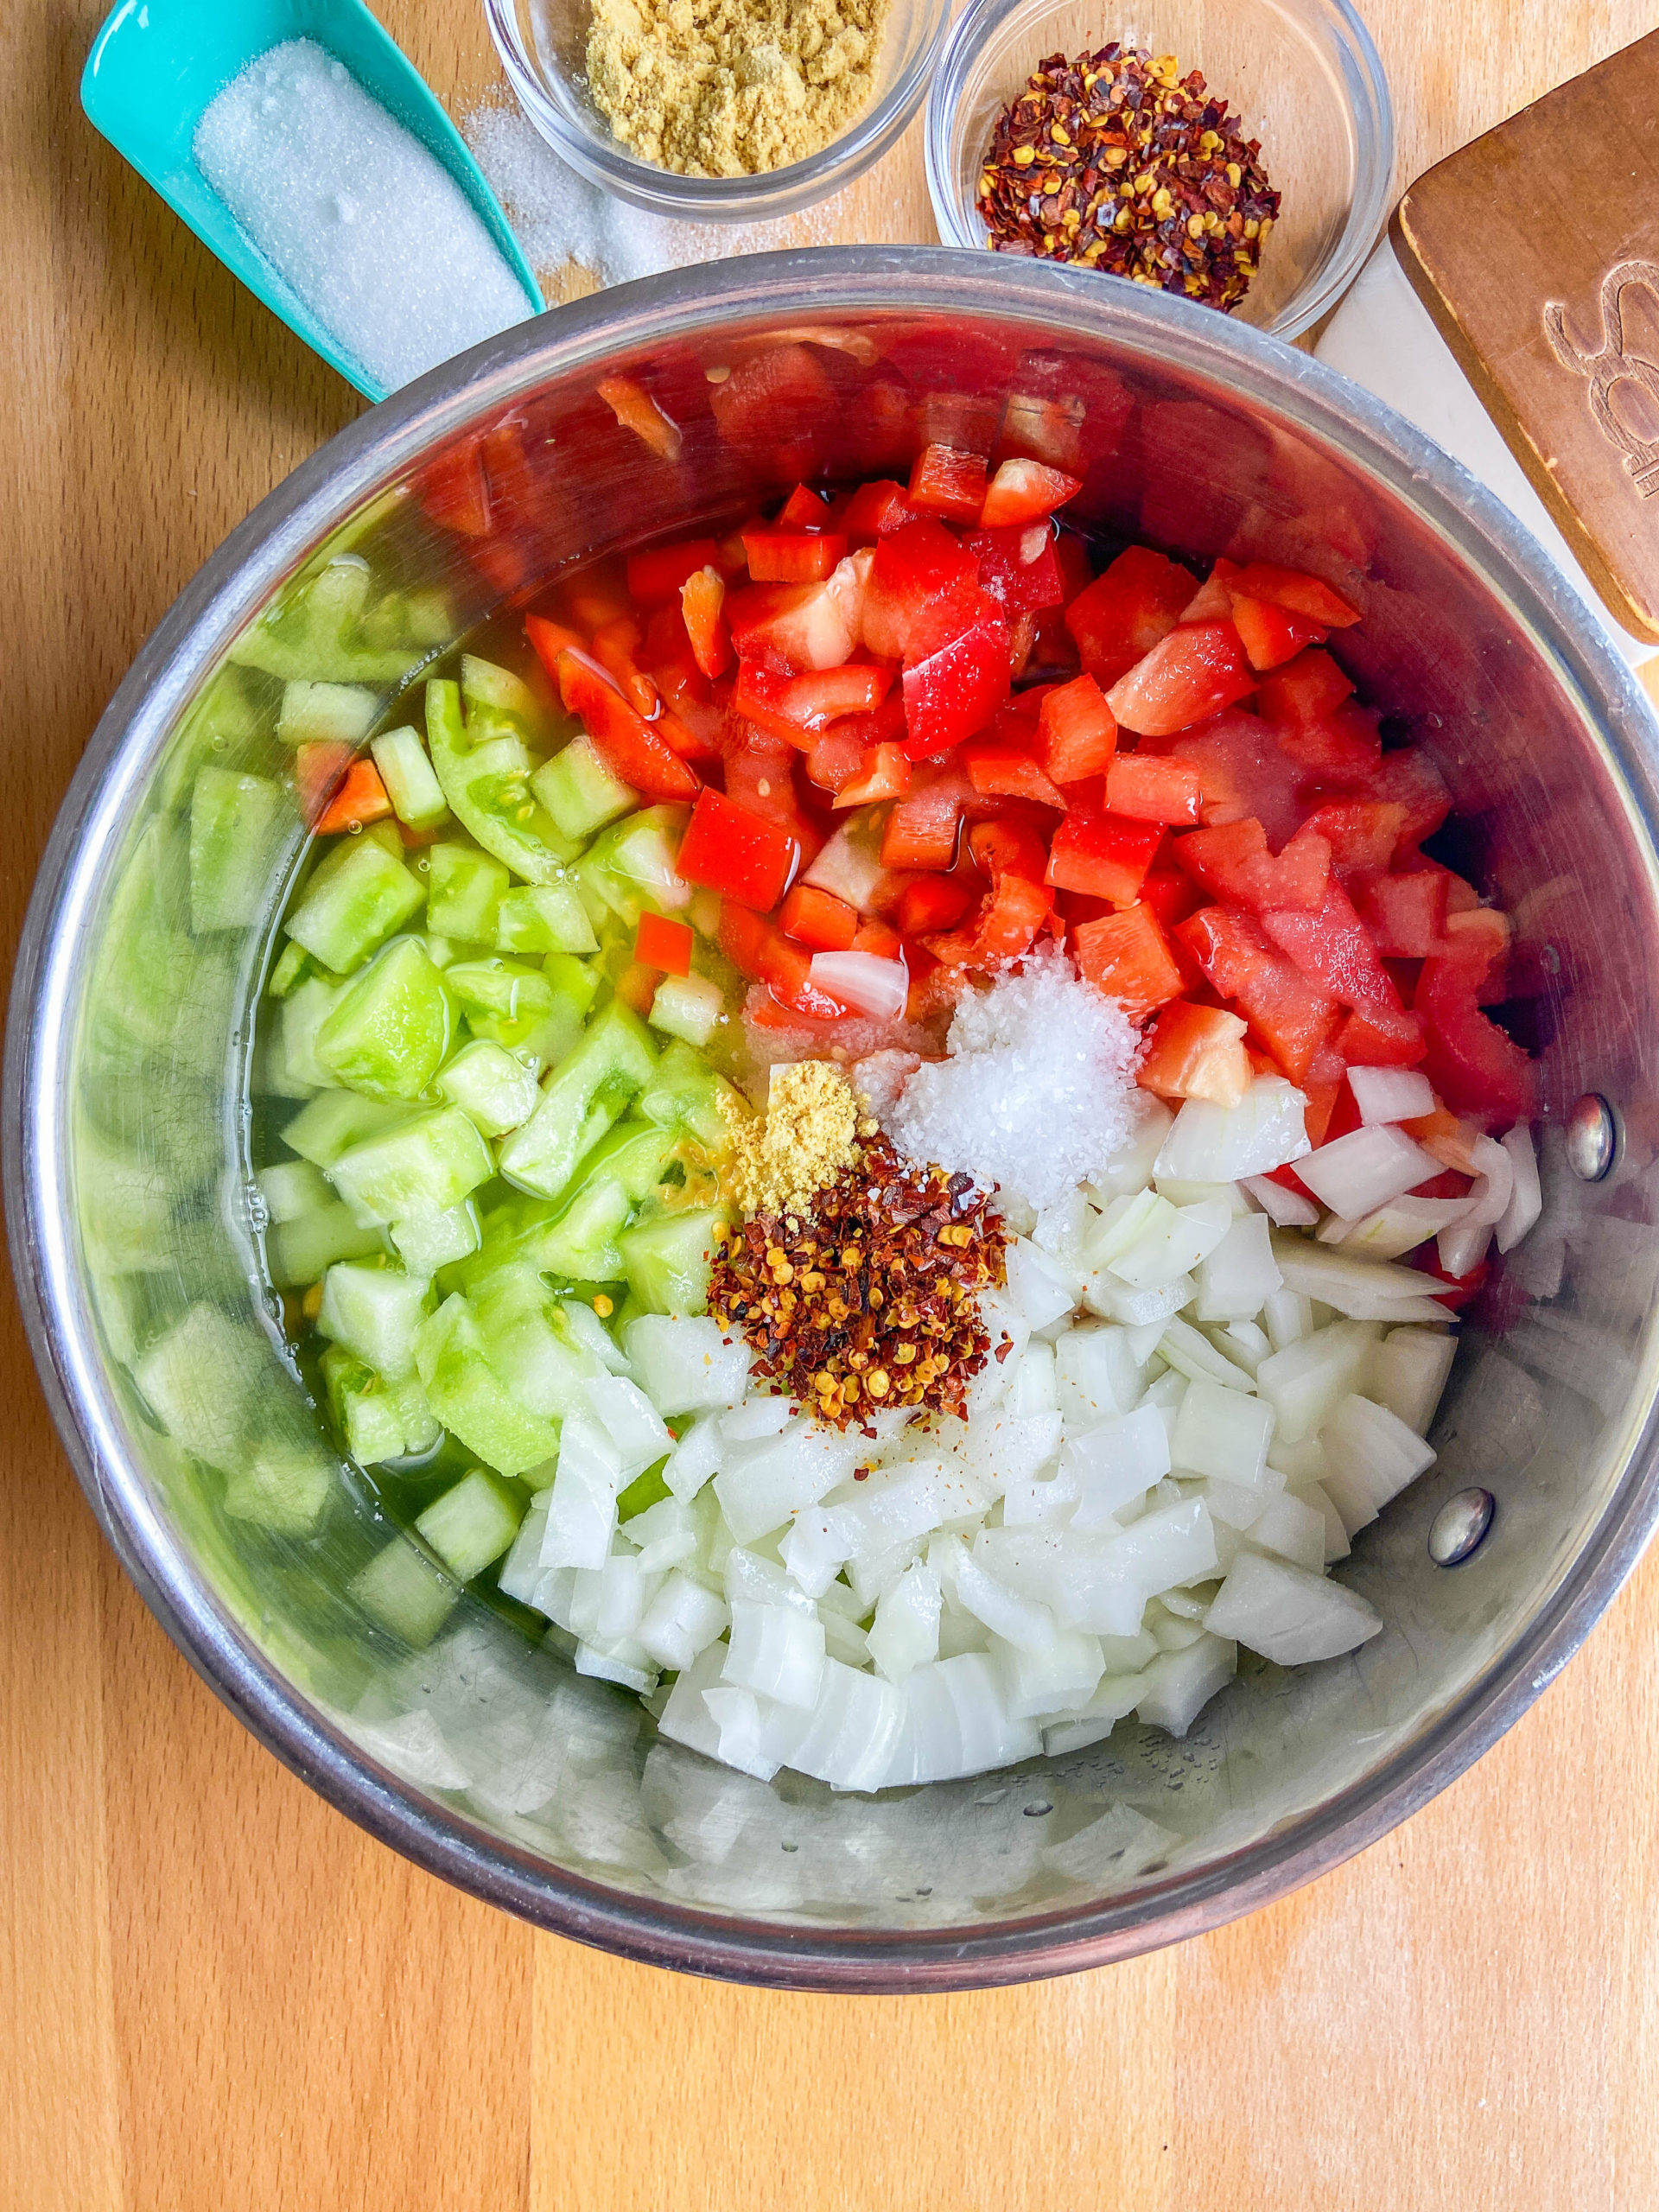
(1037, 1092)
(366, 226)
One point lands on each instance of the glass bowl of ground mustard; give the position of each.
(720, 111)
(1236, 152)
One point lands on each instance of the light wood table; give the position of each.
(215, 1992)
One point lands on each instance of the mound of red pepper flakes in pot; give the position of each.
(869, 1300)
(1115, 161)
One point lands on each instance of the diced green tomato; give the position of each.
(636, 1155)
(347, 912)
(470, 1399)
(427, 1241)
(375, 1312)
(532, 1343)
(488, 788)
(294, 963)
(303, 1015)
(493, 1085)
(333, 1123)
(488, 688)
(580, 792)
(668, 1261)
(686, 1093)
(586, 1094)
(314, 627)
(299, 1251)
(236, 825)
(574, 980)
(411, 780)
(424, 1165)
(284, 1487)
(515, 1006)
(472, 1525)
(389, 1032)
(404, 1591)
(545, 917)
(368, 1413)
(582, 1244)
(326, 714)
(688, 1007)
(632, 865)
(464, 890)
(291, 1189)
(736, 853)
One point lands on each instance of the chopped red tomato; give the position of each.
(1297, 593)
(1076, 731)
(931, 903)
(1190, 674)
(1405, 914)
(1196, 1052)
(622, 739)
(1410, 779)
(702, 600)
(1382, 1037)
(1334, 947)
(1143, 787)
(1009, 848)
(1127, 955)
(1269, 635)
(947, 482)
(1361, 833)
(1305, 689)
(1290, 1015)
(818, 918)
(1475, 1066)
(1009, 916)
(1103, 855)
(359, 798)
(883, 773)
(661, 942)
(1026, 492)
(1121, 616)
(736, 853)
(789, 556)
(1233, 862)
(657, 576)
(836, 757)
(792, 627)
(1002, 770)
(957, 690)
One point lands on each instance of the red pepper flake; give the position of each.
(1116, 161)
(872, 1300)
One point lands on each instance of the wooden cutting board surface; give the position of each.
(215, 1992)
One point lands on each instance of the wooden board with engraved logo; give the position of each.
(1536, 251)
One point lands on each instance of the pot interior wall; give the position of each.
(502, 1741)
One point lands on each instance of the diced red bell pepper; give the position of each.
(1103, 855)
(1076, 731)
(1127, 955)
(1453, 1291)
(777, 405)
(1410, 779)
(760, 951)
(636, 987)
(454, 491)
(616, 646)
(549, 639)
(818, 918)
(658, 576)
(1009, 918)
(1190, 674)
(923, 828)
(923, 589)
(636, 409)
(1344, 749)
(947, 482)
(1323, 1098)
(1170, 895)
(1212, 601)
(1026, 492)
(1405, 914)
(1361, 833)
(836, 757)
(703, 601)
(1009, 848)
(1296, 592)
(760, 779)
(1233, 862)
(799, 708)
(1144, 787)
(1382, 1037)
(884, 772)
(664, 944)
(792, 627)
(786, 556)
(320, 766)
(1334, 947)
(1475, 1066)
(931, 903)
(1290, 1015)
(1003, 770)
(1196, 1052)
(628, 745)
(1478, 939)
(955, 691)
(805, 509)
(874, 509)
(1018, 567)
(360, 799)
(1121, 616)
(1270, 636)
(736, 853)
(1304, 690)
(595, 596)
(879, 938)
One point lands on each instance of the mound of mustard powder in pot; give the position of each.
(732, 87)
(808, 1134)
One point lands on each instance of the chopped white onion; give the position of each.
(863, 980)
(1285, 1209)
(1525, 1197)
(1363, 1170)
(1391, 1094)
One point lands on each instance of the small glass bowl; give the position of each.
(542, 46)
(1300, 75)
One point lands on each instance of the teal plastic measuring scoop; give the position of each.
(156, 65)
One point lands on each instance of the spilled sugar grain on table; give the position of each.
(1465, 2016)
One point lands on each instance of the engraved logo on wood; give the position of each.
(1622, 365)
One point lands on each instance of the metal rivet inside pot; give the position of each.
(1592, 1135)
(1460, 1527)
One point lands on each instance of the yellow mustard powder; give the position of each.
(732, 87)
(808, 1134)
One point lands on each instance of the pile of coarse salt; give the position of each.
(367, 228)
(1038, 1093)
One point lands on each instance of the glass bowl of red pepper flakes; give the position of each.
(1300, 78)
